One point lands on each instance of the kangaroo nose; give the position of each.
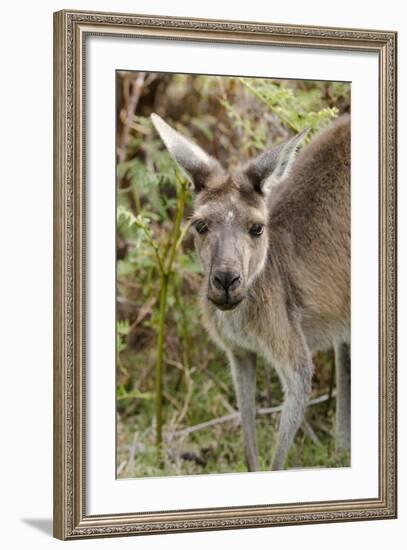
(226, 280)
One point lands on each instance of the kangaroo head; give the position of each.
(230, 212)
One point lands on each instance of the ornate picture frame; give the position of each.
(71, 31)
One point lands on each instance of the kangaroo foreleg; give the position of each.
(296, 381)
(244, 377)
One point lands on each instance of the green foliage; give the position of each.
(233, 119)
(296, 111)
(293, 110)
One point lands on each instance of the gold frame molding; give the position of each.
(70, 31)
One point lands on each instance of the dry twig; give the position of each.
(127, 115)
(236, 417)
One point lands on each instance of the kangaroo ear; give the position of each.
(193, 160)
(273, 166)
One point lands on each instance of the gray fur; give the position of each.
(342, 363)
(243, 366)
(283, 293)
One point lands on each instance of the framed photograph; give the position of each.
(225, 274)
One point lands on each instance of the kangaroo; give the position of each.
(273, 238)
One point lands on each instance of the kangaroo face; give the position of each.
(230, 239)
(230, 214)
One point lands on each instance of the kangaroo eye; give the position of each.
(201, 227)
(256, 229)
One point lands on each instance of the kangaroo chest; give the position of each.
(235, 329)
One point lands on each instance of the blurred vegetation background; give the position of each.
(233, 119)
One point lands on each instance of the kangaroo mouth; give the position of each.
(226, 303)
